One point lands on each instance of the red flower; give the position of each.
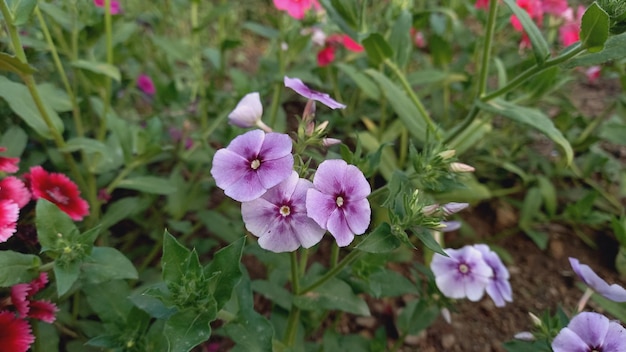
(15, 334)
(534, 10)
(327, 54)
(9, 212)
(481, 4)
(8, 164)
(22, 299)
(58, 189)
(14, 189)
(569, 32)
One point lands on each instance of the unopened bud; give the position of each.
(460, 167)
(327, 142)
(308, 114)
(453, 208)
(430, 209)
(321, 127)
(447, 154)
(450, 226)
(536, 321)
(524, 336)
(445, 313)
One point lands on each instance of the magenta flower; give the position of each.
(590, 331)
(338, 203)
(554, 7)
(8, 164)
(14, 189)
(115, 6)
(15, 334)
(248, 113)
(252, 163)
(144, 82)
(299, 87)
(498, 288)
(296, 8)
(279, 217)
(9, 213)
(58, 189)
(22, 298)
(613, 292)
(464, 273)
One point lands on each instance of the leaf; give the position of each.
(531, 117)
(106, 264)
(367, 86)
(548, 193)
(389, 283)
(620, 261)
(16, 268)
(226, 262)
(174, 257)
(120, 210)
(101, 68)
(22, 9)
(594, 28)
(21, 102)
(342, 16)
(259, 29)
(539, 43)
(15, 140)
(400, 38)
(53, 226)
(274, 292)
(13, 64)
(148, 184)
(377, 48)
(417, 316)
(56, 98)
(149, 300)
(335, 294)
(65, 274)
(614, 49)
(88, 145)
(64, 19)
(187, 329)
(426, 237)
(381, 240)
(109, 300)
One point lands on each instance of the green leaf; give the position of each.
(66, 274)
(148, 184)
(367, 86)
(614, 49)
(531, 206)
(106, 264)
(381, 240)
(548, 193)
(259, 29)
(342, 15)
(226, 262)
(377, 48)
(21, 102)
(174, 258)
(15, 140)
(55, 97)
(539, 43)
(620, 261)
(335, 294)
(13, 64)
(400, 38)
(187, 329)
(64, 19)
(594, 28)
(389, 283)
(22, 9)
(109, 300)
(426, 237)
(531, 117)
(54, 227)
(16, 268)
(410, 116)
(417, 316)
(274, 292)
(101, 68)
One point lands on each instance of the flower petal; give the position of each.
(615, 339)
(450, 284)
(319, 206)
(299, 87)
(247, 112)
(273, 172)
(338, 227)
(228, 168)
(613, 292)
(275, 146)
(358, 215)
(591, 327)
(568, 341)
(308, 232)
(330, 176)
(248, 145)
(355, 186)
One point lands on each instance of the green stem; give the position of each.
(156, 249)
(294, 313)
(348, 259)
(278, 86)
(120, 177)
(484, 65)
(107, 83)
(334, 256)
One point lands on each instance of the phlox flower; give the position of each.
(279, 217)
(58, 189)
(299, 87)
(613, 292)
(22, 298)
(8, 164)
(252, 163)
(590, 331)
(115, 6)
(248, 113)
(296, 8)
(9, 213)
(464, 273)
(338, 203)
(15, 333)
(498, 288)
(14, 189)
(144, 82)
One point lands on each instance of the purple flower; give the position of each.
(248, 113)
(252, 163)
(589, 331)
(498, 288)
(338, 203)
(279, 217)
(300, 88)
(144, 82)
(613, 292)
(463, 274)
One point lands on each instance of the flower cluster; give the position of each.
(470, 272)
(284, 210)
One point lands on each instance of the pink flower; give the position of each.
(14, 189)
(569, 32)
(534, 10)
(481, 4)
(8, 164)
(327, 54)
(144, 82)
(9, 212)
(22, 299)
(15, 333)
(296, 8)
(554, 7)
(58, 189)
(418, 38)
(115, 6)
(593, 74)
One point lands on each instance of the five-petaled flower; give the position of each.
(464, 273)
(590, 331)
(613, 292)
(279, 217)
(58, 189)
(299, 87)
(252, 163)
(338, 203)
(15, 333)
(248, 113)
(498, 288)
(296, 8)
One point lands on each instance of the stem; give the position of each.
(348, 259)
(484, 65)
(334, 256)
(583, 300)
(107, 83)
(278, 86)
(294, 313)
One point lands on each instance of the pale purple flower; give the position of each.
(613, 292)
(297, 85)
(449, 226)
(252, 163)
(590, 331)
(464, 273)
(498, 288)
(453, 208)
(248, 113)
(279, 217)
(144, 82)
(338, 203)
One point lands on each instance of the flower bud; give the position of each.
(327, 142)
(460, 167)
(524, 336)
(536, 321)
(453, 208)
(430, 209)
(447, 154)
(248, 113)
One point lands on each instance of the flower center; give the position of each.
(255, 164)
(57, 196)
(463, 268)
(285, 210)
(339, 201)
